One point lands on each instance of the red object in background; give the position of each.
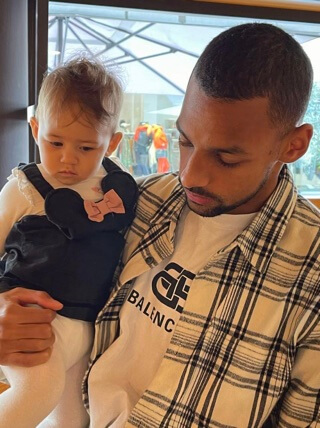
(163, 165)
(142, 128)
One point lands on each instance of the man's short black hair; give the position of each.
(258, 60)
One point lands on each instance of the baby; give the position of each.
(61, 231)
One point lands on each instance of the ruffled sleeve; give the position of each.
(25, 187)
(18, 198)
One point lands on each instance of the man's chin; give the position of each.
(207, 211)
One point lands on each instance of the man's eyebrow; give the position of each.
(233, 150)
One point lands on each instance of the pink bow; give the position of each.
(111, 203)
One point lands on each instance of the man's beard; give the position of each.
(221, 207)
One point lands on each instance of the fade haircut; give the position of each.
(258, 60)
(86, 83)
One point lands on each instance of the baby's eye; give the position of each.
(56, 143)
(86, 149)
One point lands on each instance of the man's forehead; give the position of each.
(214, 144)
(236, 126)
(234, 114)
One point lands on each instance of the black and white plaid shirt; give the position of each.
(246, 350)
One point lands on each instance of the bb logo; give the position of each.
(172, 285)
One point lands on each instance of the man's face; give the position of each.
(229, 153)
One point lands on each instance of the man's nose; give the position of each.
(194, 172)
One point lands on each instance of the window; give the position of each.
(156, 52)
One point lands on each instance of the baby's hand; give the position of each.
(26, 335)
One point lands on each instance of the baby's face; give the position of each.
(72, 148)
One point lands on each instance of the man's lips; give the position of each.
(198, 199)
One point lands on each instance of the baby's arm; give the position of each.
(26, 335)
(13, 206)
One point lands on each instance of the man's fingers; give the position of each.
(34, 315)
(25, 296)
(26, 331)
(26, 335)
(29, 345)
(14, 314)
(27, 359)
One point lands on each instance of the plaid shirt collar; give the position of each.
(259, 240)
(269, 224)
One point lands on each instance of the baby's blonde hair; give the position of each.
(84, 82)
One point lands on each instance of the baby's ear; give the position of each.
(114, 142)
(34, 124)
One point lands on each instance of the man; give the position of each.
(214, 320)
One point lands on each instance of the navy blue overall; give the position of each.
(63, 252)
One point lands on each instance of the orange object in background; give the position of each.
(163, 165)
(160, 140)
(143, 127)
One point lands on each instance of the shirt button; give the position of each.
(149, 260)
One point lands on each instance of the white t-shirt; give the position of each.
(150, 314)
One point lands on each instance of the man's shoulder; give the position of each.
(302, 236)
(160, 195)
(162, 185)
(307, 211)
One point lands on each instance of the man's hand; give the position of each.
(26, 336)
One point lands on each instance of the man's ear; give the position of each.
(34, 124)
(296, 143)
(114, 142)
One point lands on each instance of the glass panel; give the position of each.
(156, 52)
